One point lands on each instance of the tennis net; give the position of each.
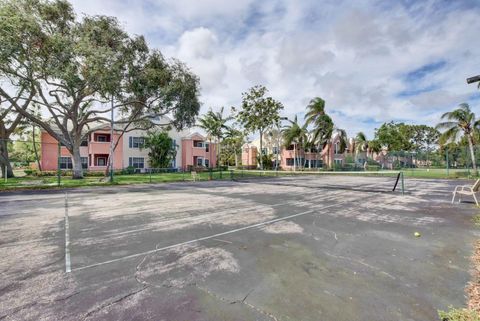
(368, 181)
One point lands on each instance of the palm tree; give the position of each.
(315, 109)
(296, 135)
(361, 144)
(214, 124)
(235, 139)
(460, 121)
(220, 128)
(209, 125)
(273, 137)
(341, 135)
(322, 124)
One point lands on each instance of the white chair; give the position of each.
(469, 190)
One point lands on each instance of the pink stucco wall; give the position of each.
(189, 152)
(103, 148)
(49, 154)
(249, 156)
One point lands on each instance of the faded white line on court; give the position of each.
(200, 239)
(67, 237)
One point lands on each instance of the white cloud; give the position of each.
(354, 56)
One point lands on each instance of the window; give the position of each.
(275, 150)
(338, 161)
(207, 163)
(84, 142)
(136, 162)
(198, 143)
(207, 146)
(136, 142)
(101, 161)
(336, 149)
(264, 151)
(84, 162)
(290, 161)
(66, 163)
(102, 138)
(199, 161)
(315, 163)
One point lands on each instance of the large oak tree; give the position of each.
(81, 69)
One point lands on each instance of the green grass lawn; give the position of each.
(32, 182)
(408, 172)
(438, 173)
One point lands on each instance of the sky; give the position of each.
(371, 61)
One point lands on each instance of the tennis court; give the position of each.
(307, 247)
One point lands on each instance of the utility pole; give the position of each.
(111, 142)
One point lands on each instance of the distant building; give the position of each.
(198, 152)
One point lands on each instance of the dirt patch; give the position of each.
(185, 265)
(473, 288)
(283, 227)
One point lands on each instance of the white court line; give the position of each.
(200, 239)
(67, 237)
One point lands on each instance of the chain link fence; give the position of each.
(48, 164)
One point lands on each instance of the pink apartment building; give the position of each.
(198, 152)
(292, 156)
(249, 155)
(94, 152)
(194, 151)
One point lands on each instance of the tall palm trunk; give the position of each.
(294, 157)
(472, 153)
(218, 152)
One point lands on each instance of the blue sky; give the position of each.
(371, 60)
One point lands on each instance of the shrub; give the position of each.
(128, 170)
(29, 171)
(94, 173)
(459, 315)
(247, 167)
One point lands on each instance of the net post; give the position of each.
(403, 183)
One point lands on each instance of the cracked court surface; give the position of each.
(258, 250)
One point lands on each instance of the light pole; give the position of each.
(473, 79)
(278, 141)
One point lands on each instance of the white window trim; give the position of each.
(132, 162)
